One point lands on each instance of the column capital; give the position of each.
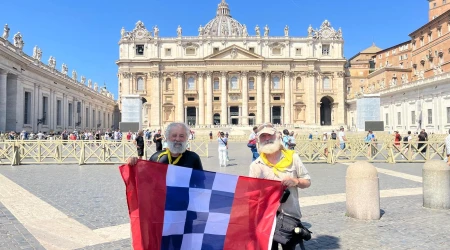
(179, 74)
(287, 73)
(259, 73)
(208, 73)
(223, 73)
(155, 74)
(3, 72)
(244, 73)
(200, 74)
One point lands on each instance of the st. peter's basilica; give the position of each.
(229, 73)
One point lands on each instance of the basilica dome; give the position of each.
(223, 24)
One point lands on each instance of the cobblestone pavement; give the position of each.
(93, 195)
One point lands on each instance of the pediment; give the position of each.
(234, 53)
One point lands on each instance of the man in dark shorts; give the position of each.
(139, 142)
(177, 135)
(157, 139)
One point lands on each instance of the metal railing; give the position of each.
(78, 151)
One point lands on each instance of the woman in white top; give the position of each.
(223, 148)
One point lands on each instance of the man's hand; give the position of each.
(290, 182)
(132, 161)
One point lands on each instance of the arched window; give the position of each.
(251, 83)
(216, 83)
(168, 84)
(298, 83)
(234, 83)
(326, 83)
(140, 84)
(191, 83)
(276, 82)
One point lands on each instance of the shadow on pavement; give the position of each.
(322, 242)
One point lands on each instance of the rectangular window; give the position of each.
(191, 99)
(87, 117)
(387, 119)
(251, 49)
(216, 85)
(421, 41)
(58, 112)
(215, 50)
(168, 52)
(413, 117)
(190, 51)
(276, 51)
(399, 118)
(430, 116)
(251, 85)
(298, 51)
(140, 50)
(276, 98)
(70, 114)
(325, 50)
(27, 108)
(252, 98)
(216, 98)
(429, 37)
(45, 110)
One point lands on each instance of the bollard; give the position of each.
(436, 184)
(362, 191)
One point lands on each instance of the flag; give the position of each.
(172, 207)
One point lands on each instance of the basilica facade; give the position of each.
(225, 75)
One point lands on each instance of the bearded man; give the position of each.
(277, 163)
(177, 135)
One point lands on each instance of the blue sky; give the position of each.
(85, 34)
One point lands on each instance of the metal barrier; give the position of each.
(311, 151)
(78, 152)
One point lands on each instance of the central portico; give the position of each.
(226, 76)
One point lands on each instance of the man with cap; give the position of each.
(277, 163)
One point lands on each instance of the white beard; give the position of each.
(177, 147)
(270, 147)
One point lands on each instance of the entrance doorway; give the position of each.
(216, 119)
(325, 111)
(191, 114)
(276, 115)
(251, 119)
(234, 111)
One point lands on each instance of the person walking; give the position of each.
(157, 139)
(140, 144)
(252, 143)
(223, 148)
(342, 138)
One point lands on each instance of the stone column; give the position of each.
(64, 113)
(209, 98)
(223, 99)
(185, 115)
(50, 117)
(156, 102)
(3, 80)
(267, 110)
(287, 98)
(197, 116)
(35, 113)
(282, 121)
(271, 114)
(244, 107)
(180, 97)
(259, 99)
(20, 107)
(240, 116)
(201, 100)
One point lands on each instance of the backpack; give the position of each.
(405, 138)
(333, 136)
(368, 139)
